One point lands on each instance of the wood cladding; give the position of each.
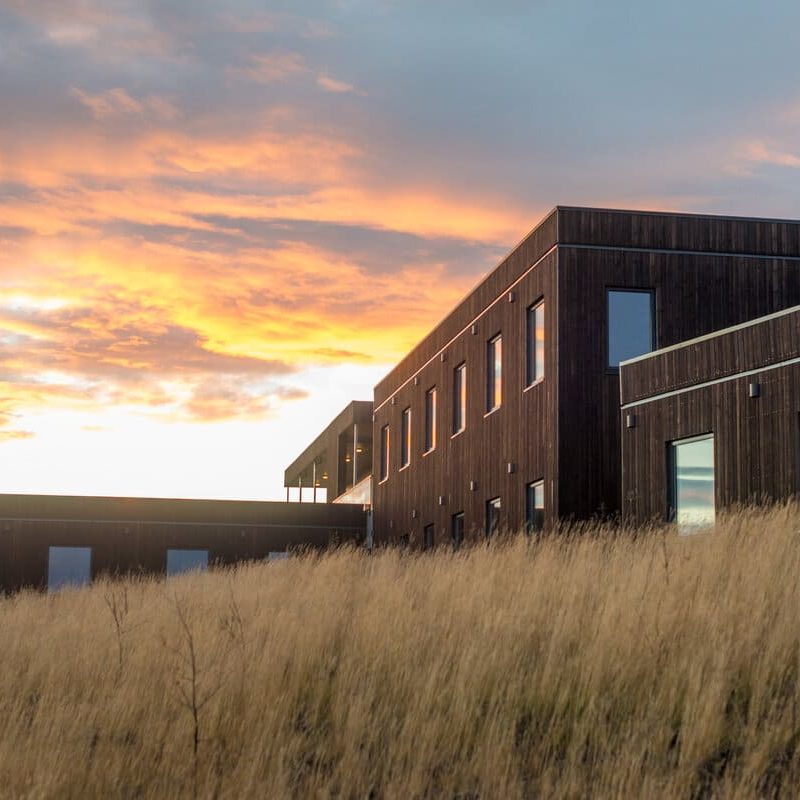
(706, 273)
(132, 535)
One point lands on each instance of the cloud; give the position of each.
(117, 102)
(332, 85)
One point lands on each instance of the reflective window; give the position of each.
(68, 566)
(535, 363)
(534, 506)
(384, 453)
(277, 555)
(692, 482)
(459, 398)
(493, 507)
(494, 373)
(630, 324)
(430, 419)
(428, 537)
(457, 529)
(405, 439)
(184, 560)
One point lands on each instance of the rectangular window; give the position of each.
(68, 566)
(185, 560)
(457, 529)
(384, 453)
(277, 555)
(534, 506)
(430, 419)
(691, 500)
(492, 516)
(405, 439)
(630, 324)
(535, 361)
(459, 398)
(494, 373)
(428, 537)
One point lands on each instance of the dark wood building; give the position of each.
(508, 412)
(339, 460)
(50, 540)
(712, 422)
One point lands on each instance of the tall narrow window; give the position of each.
(494, 373)
(428, 537)
(457, 529)
(630, 324)
(535, 365)
(691, 500)
(384, 473)
(459, 398)
(430, 419)
(493, 507)
(534, 506)
(185, 560)
(68, 566)
(405, 439)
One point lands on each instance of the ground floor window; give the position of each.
(493, 507)
(68, 566)
(428, 537)
(184, 560)
(457, 530)
(691, 486)
(534, 506)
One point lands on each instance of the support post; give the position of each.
(314, 479)
(355, 452)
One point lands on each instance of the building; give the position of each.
(712, 422)
(48, 541)
(507, 414)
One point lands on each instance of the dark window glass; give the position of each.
(428, 537)
(430, 419)
(405, 439)
(692, 482)
(384, 452)
(184, 560)
(459, 398)
(68, 566)
(457, 530)
(494, 373)
(493, 507)
(535, 363)
(534, 506)
(630, 324)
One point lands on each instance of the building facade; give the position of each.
(507, 414)
(712, 422)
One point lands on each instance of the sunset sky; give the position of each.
(220, 222)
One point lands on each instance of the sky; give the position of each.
(222, 221)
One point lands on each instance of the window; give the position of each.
(277, 555)
(459, 398)
(405, 439)
(691, 500)
(457, 529)
(68, 566)
(494, 373)
(430, 419)
(534, 506)
(535, 361)
(630, 324)
(492, 516)
(428, 537)
(384, 453)
(184, 560)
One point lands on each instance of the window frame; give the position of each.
(651, 290)
(459, 399)
(532, 372)
(494, 381)
(431, 429)
(385, 454)
(405, 438)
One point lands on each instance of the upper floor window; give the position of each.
(459, 398)
(384, 468)
(405, 439)
(534, 506)
(430, 419)
(493, 507)
(494, 373)
(535, 360)
(630, 324)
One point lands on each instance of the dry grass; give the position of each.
(595, 664)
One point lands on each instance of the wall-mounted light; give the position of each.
(755, 390)
(630, 420)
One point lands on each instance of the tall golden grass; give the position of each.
(590, 663)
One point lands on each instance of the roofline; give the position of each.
(696, 215)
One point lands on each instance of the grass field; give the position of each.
(594, 663)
